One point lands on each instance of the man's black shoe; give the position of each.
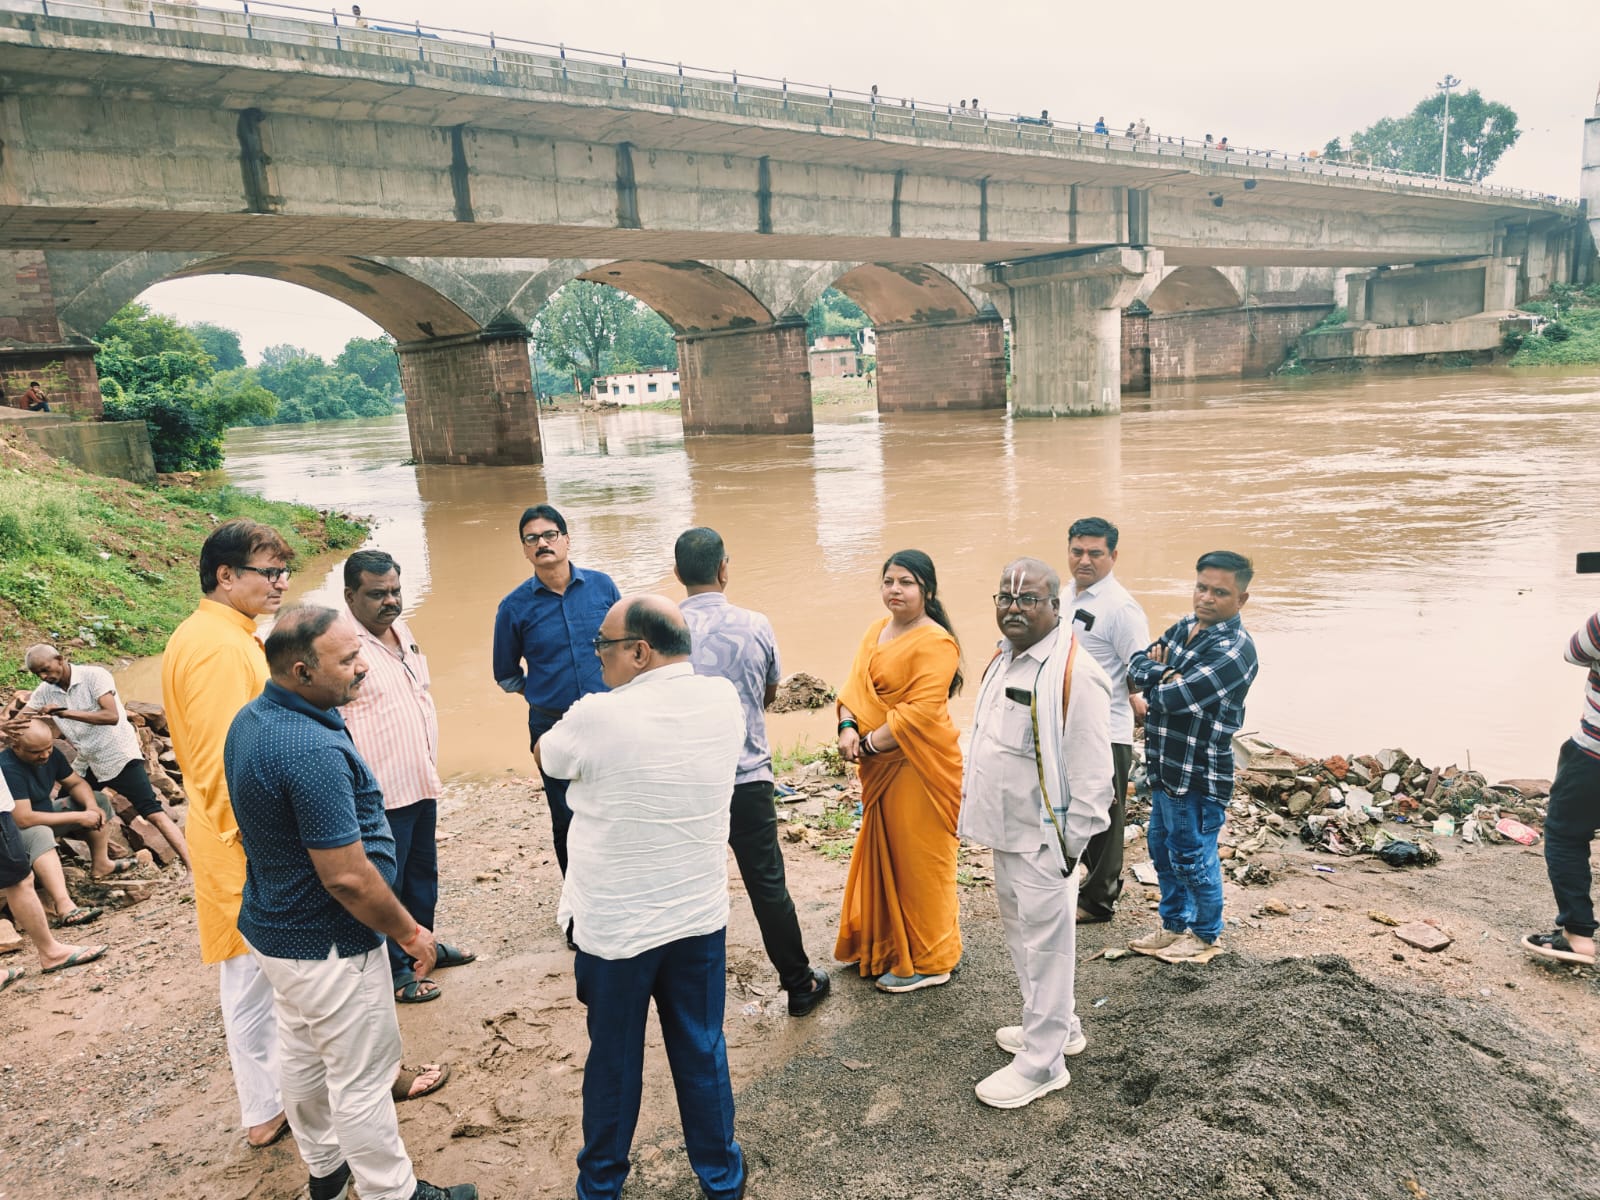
(800, 1003)
(428, 1191)
(331, 1187)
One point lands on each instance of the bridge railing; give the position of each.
(727, 91)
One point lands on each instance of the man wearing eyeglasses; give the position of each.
(1116, 630)
(1037, 788)
(544, 636)
(213, 666)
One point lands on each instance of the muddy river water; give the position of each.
(1413, 537)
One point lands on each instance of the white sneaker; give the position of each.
(1007, 1089)
(1009, 1039)
(1154, 943)
(1190, 948)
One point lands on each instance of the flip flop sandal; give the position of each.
(282, 1132)
(79, 958)
(403, 1082)
(119, 866)
(11, 976)
(1555, 947)
(415, 991)
(446, 955)
(80, 916)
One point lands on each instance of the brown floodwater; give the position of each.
(1413, 537)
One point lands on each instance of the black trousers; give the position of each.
(753, 835)
(1569, 828)
(1103, 857)
(555, 790)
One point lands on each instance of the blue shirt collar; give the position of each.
(284, 698)
(579, 575)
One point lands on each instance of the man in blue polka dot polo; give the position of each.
(318, 903)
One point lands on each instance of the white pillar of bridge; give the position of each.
(1066, 328)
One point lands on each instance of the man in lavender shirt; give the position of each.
(739, 645)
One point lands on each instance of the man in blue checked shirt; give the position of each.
(544, 637)
(1194, 678)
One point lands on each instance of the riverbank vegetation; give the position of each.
(108, 567)
(1570, 333)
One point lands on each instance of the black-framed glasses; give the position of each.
(270, 574)
(1027, 602)
(549, 536)
(600, 643)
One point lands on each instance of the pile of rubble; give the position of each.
(1387, 803)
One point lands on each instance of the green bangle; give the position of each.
(848, 724)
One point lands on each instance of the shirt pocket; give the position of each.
(1016, 729)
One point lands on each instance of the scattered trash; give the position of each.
(1323, 870)
(1145, 873)
(1408, 854)
(752, 1009)
(1516, 831)
(1111, 954)
(1381, 917)
(1445, 825)
(1098, 1003)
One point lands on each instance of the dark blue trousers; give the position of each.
(686, 979)
(555, 790)
(1569, 828)
(416, 868)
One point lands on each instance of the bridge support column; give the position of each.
(942, 365)
(746, 380)
(34, 345)
(1066, 325)
(470, 399)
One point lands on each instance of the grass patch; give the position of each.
(803, 753)
(108, 567)
(836, 851)
(1570, 336)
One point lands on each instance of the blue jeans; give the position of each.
(1569, 828)
(416, 869)
(686, 978)
(1183, 846)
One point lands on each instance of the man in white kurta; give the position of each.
(1037, 802)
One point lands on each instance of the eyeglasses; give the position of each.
(270, 574)
(549, 536)
(1027, 602)
(600, 643)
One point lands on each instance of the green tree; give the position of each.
(373, 361)
(1480, 132)
(222, 344)
(287, 371)
(835, 313)
(644, 342)
(579, 324)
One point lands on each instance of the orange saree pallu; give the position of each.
(900, 909)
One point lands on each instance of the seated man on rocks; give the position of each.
(16, 890)
(39, 778)
(82, 700)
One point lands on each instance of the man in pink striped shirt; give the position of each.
(1573, 817)
(394, 725)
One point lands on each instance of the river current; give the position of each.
(1413, 537)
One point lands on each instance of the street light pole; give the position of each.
(1446, 85)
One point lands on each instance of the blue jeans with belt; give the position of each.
(1183, 846)
(687, 981)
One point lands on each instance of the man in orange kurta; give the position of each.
(214, 665)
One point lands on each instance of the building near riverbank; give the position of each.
(636, 387)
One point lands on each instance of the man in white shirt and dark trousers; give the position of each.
(1115, 631)
(651, 765)
(1037, 788)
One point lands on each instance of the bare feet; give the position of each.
(263, 1135)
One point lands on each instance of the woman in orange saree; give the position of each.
(901, 919)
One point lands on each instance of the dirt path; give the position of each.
(1309, 1062)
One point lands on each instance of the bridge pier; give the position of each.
(746, 380)
(470, 399)
(34, 345)
(929, 365)
(1066, 324)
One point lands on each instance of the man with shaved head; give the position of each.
(1037, 789)
(651, 764)
(82, 700)
(50, 793)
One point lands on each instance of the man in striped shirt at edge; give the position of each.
(1194, 679)
(395, 726)
(1573, 817)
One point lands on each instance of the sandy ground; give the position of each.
(1320, 1058)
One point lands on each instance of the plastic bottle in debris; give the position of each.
(1445, 826)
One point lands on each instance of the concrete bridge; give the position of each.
(446, 189)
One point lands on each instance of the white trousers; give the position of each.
(252, 1033)
(1038, 911)
(340, 1048)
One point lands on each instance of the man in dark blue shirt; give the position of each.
(317, 906)
(544, 637)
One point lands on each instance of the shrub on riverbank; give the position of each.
(1570, 336)
(108, 567)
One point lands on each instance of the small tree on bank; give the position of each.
(1480, 132)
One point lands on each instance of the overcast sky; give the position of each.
(1261, 74)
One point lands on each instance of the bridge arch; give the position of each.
(1193, 289)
